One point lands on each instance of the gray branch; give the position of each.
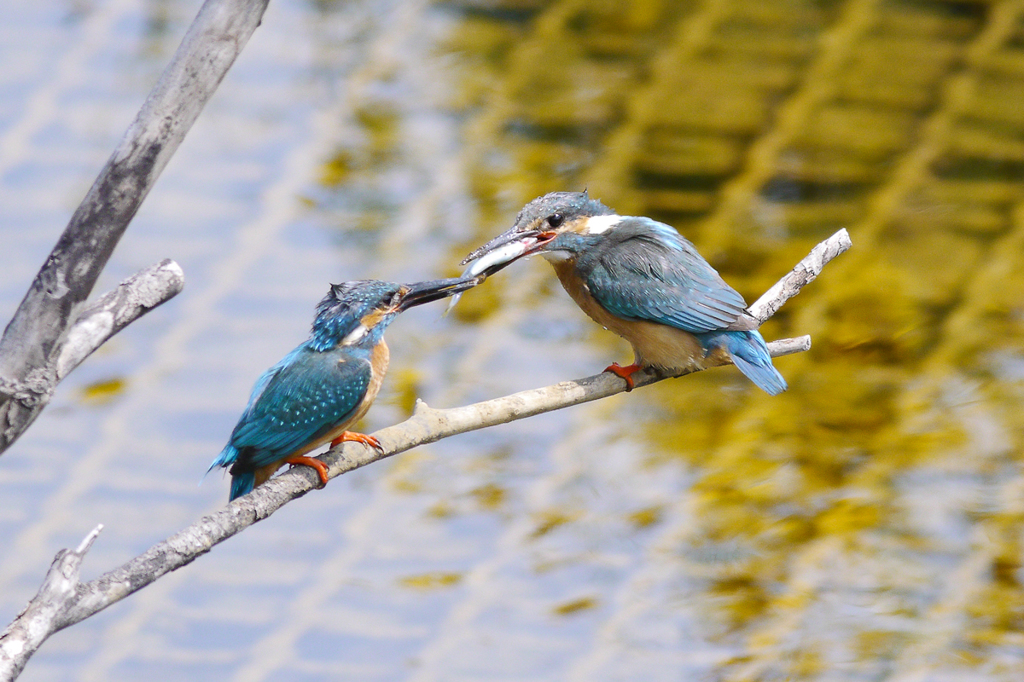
(28, 631)
(427, 425)
(32, 343)
(804, 273)
(132, 299)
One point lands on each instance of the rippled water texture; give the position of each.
(865, 525)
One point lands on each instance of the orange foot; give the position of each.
(321, 468)
(353, 437)
(626, 372)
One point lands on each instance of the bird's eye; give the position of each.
(556, 219)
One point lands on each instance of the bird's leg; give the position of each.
(321, 468)
(626, 372)
(353, 437)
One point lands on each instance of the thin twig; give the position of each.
(804, 273)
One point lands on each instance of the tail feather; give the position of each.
(242, 484)
(225, 459)
(750, 354)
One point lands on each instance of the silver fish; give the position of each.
(492, 262)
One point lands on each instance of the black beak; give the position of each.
(433, 290)
(499, 241)
(504, 250)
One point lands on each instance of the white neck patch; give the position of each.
(354, 335)
(599, 224)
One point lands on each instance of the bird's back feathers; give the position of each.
(295, 403)
(645, 270)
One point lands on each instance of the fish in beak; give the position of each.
(500, 252)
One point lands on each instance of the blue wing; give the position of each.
(645, 270)
(298, 400)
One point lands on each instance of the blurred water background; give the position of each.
(865, 525)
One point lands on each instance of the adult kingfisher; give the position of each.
(326, 384)
(642, 280)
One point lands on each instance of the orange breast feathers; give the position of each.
(379, 362)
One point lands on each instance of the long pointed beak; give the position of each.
(498, 242)
(503, 250)
(434, 290)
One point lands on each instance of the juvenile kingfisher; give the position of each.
(326, 384)
(642, 280)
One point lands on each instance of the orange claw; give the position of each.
(626, 372)
(353, 437)
(321, 468)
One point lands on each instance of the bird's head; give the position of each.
(558, 225)
(358, 312)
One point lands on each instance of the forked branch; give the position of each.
(33, 348)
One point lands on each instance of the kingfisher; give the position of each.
(326, 384)
(640, 279)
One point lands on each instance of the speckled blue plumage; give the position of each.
(297, 401)
(313, 389)
(342, 309)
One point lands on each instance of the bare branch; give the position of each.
(33, 625)
(428, 425)
(804, 273)
(782, 347)
(31, 343)
(115, 310)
